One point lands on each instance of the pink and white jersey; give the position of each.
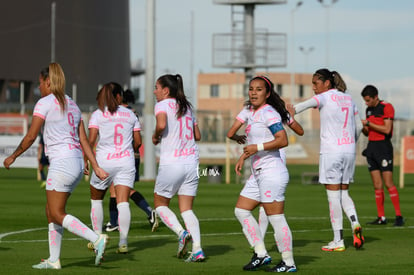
(177, 142)
(115, 136)
(257, 131)
(61, 128)
(337, 115)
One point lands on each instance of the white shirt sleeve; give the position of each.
(358, 124)
(310, 103)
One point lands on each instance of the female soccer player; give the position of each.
(65, 139)
(264, 114)
(119, 137)
(177, 131)
(340, 129)
(136, 196)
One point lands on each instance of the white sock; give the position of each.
(74, 225)
(248, 237)
(249, 224)
(97, 215)
(283, 237)
(169, 219)
(124, 221)
(55, 241)
(263, 221)
(335, 213)
(193, 226)
(349, 207)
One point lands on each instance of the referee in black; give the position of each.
(378, 126)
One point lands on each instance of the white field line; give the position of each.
(155, 235)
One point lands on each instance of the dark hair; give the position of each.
(107, 96)
(369, 90)
(333, 77)
(117, 89)
(175, 85)
(44, 73)
(128, 97)
(273, 100)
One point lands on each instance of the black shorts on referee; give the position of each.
(380, 155)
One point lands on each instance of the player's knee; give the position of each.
(241, 213)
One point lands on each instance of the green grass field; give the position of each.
(388, 250)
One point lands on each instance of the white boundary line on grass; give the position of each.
(376, 227)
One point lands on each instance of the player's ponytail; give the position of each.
(107, 97)
(175, 85)
(57, 84)
(333, 77)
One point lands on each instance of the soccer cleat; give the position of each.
(282, 267)
(183, 241)
(379, 221)
(196, 257)
(257, 262)
(90, 246)
(334, 246)
(100, 246)
(123, 249)
(46, 264)
(109, 227)
(153, 220)
(399, 221)
(358, 238)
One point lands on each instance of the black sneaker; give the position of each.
(379, 221)
(257, 262)
(399, 221)
(282, 267)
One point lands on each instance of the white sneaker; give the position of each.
(46, 264)
(338, 246)
(153, 220)
(100, 246)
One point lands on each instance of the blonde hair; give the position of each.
(57, 84)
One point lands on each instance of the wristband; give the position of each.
(260, 147)
(367, 123)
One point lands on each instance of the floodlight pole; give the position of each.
(306, 52)
(327, 6)
(149, 149)
(292, 51)
(249, 45)
(53, 32)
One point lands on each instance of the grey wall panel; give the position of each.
(92, 42)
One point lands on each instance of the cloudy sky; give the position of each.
(370, 41)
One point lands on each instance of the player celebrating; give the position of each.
(177, 131)
(340, 129)
(65, 138)
(264, 114)
(119, 137)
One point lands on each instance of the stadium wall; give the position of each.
(92, 45)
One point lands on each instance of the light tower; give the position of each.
(245, 48)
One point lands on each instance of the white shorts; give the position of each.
(267, 185)
(336, 168)
(181, 179)
(118, 175)
(64, 174)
